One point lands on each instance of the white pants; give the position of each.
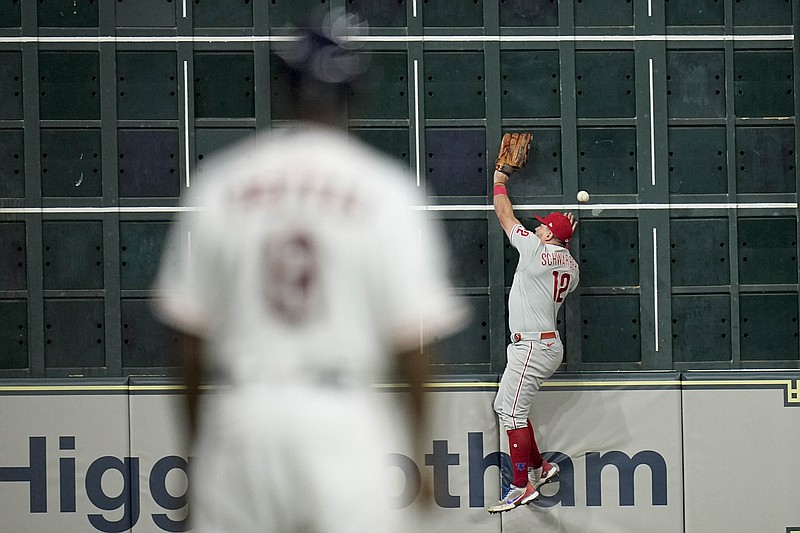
(292, 460)
(529, 364)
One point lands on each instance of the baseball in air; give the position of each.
(583, 197)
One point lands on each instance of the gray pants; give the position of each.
(530, 362)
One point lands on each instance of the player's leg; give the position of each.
(546, 361)
(513, 418)
(535, 456)
(540, 471)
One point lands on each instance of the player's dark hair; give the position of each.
(321, 68)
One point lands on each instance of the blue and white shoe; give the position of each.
(543, 475)
(515, 497)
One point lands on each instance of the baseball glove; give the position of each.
(513, 152)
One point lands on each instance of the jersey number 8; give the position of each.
(292, 277)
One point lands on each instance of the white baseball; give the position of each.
(583, 197)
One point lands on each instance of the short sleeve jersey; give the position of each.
(545, 274)
(291, 264)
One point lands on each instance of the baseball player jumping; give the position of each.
(545, 274)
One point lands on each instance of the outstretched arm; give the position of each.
(502, 205)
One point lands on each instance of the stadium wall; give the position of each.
(661, 452)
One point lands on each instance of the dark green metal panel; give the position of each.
(609, 252)
(12, 256)
(605, 84)
(281, 106)
(610, 329)
(211, 140)
(68, 13)
(383, 93)
(10, 15)
(454, 85)
(765, 159)
(528, 13)
(525, 94)
(698, 162)
(145, 13)
(607, 160)
(12, 164)
(542, 174)
(71, 162)
(456, 161)
(147, 85)
(603, 12)
(287, 13)
(465, 352)
(215, 14)
(451, 13)
(695, 84)
(223, 85)
(391, 141)
(10, 86)
(767, 250)
(468, 241)
(699, 251)
(146, 342)
(769, 327)
(380, 13)
(764, 83)
(72, 254)
(148, 163)
(74, 333)
(713, 144)
(762, 12)
(141, 243)
(694, 13)
(13, 334)
(69, 84)
(701, 327)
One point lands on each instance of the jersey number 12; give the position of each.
(560, 285)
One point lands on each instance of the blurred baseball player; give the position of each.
(308, 280)
(545, 274)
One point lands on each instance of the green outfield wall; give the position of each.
(678, 117)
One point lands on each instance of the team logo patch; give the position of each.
(521, 467)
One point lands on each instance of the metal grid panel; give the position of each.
(682, 125)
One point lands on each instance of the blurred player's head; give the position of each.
(322, 67)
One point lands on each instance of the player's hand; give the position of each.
(572, 220)
(499, 177)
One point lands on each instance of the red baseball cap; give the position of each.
(559, 224)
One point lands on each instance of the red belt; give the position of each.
(544, 335)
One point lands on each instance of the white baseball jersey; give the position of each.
(545, 274)
(303, 268)
(298, 264)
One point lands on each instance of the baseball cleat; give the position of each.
(543, 475)
(515, 497)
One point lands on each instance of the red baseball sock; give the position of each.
(536, 457)
(519, 444)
